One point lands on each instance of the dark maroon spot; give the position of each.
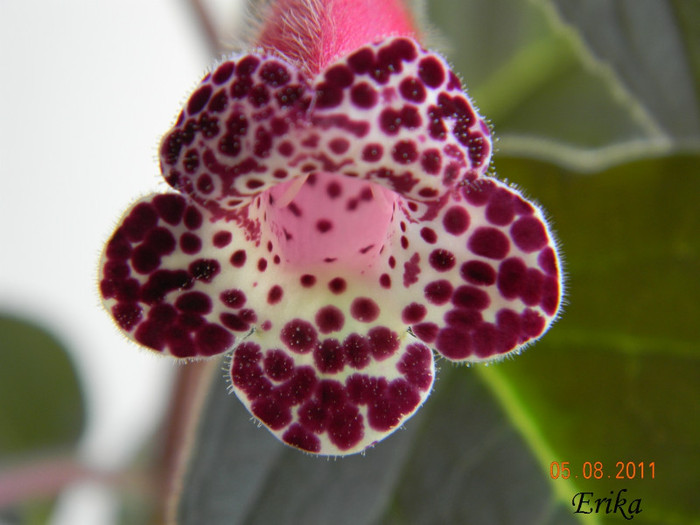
(334, 190)
(431, 71)
(364, 309)
(548, 261)
(383, 342)
(141, 219)
(339, 75)
(329, 356)
(532, 323)
(454, 343)
(193, 218)
(234, 322)
(223, 73)
(345, 428)
(462, 318)
(479, 193)
(238, 258)
(416, 367)
(222, 239)
(456, 220)
(356, 350)
(263, 143)
(442, 260)
(274, 73)
(307, 280)
(508, 323)
(328, 95)
(165, 314)
(485, 340)
(323, 225)
(471, 297)
(126, 291)
(289, 95)
(438, 292)
(190, 243)
(272, 411)
(204, 269)
(385, 280)
(204, 184)
(298, 335)
(413, 313)
(411, 269)
(428, 235)
(151, 335)
(298, 437)
(198, 100)
(339, 146)
(431, 161)
(426, 331)
(478, 272)
(127, 315)
(392, 262)
(412, 89)
(254, 184)
(337, 285)
(489, 242)
(212, 339)
(362, 60)
(363, 95)
(404, 152)
(161, 282)
(529, 234)
(233, 298)
(230, 145)
(511, 277)
(258, 96)
(372, 152)
(550, 295)
(247, 66)
(365, 390)
(194, 302)
(329, 319)
(191, 161)
(274, 296)
(161, 241)
(278, 365)
(262, 264)
(404, 242)
(116, 270)
(144, 260)
(531, 292)
(246, 372)
(500, 209)
(170, 208)
(400, 398)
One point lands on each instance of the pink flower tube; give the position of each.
(332, 225)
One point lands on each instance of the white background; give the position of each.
(86, 90)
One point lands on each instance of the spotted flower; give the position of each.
(333, 227)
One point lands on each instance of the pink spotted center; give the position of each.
(328, 218)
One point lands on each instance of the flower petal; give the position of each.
(395, 114)
(236, 135)
(164, 277)
(483, 278)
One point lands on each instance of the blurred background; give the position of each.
(596, 108)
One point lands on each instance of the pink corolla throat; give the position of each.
(333, 226)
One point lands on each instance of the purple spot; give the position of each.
(307, 280)
(364, 309)
(272, 411)
(345, 428)
(324, 225)
(234, 322)
(262, 264)
(426, 331)
(223, 73)
(413, 313)
(144, 260)
(489, 242)
(372, 152)
(550, 295)
(328, 95)
(462, 318)
(404, 152)
(329, 356)
(511, 277)
(471, 297)
(412, 89)
(529, 234)
(548, 261)
(532, 323)
(194, 302)
(500, 209)
(337, 285)
(193, 218)
(415, 365)
(356, 350)
(485, 340)
(478, 272)
(431, 71)
(438, 292)
(428, 235)
(233, 298)
(238, 258)
(274, 296)
(274, 73)
(141, 219)
(431, 161)
(222, 239)
(278, 365)
(298, 335)
(204, 269)
(456, 220)
(329, 319)
(127, 315)
(531, 293)
(297, 436)
(383, 342)
(442, 260)
(198, 100)
(212, 339)
(190, 243)
(454, 343)
(363, 95)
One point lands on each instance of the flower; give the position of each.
(333, 224)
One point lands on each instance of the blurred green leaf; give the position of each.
(41, 405)
(552, 97)
(458, 461)
(617, 378)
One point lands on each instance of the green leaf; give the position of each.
(458, 461)
(551, 96)
(41, 406)
(616, 379)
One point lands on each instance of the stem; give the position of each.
(207, 27)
